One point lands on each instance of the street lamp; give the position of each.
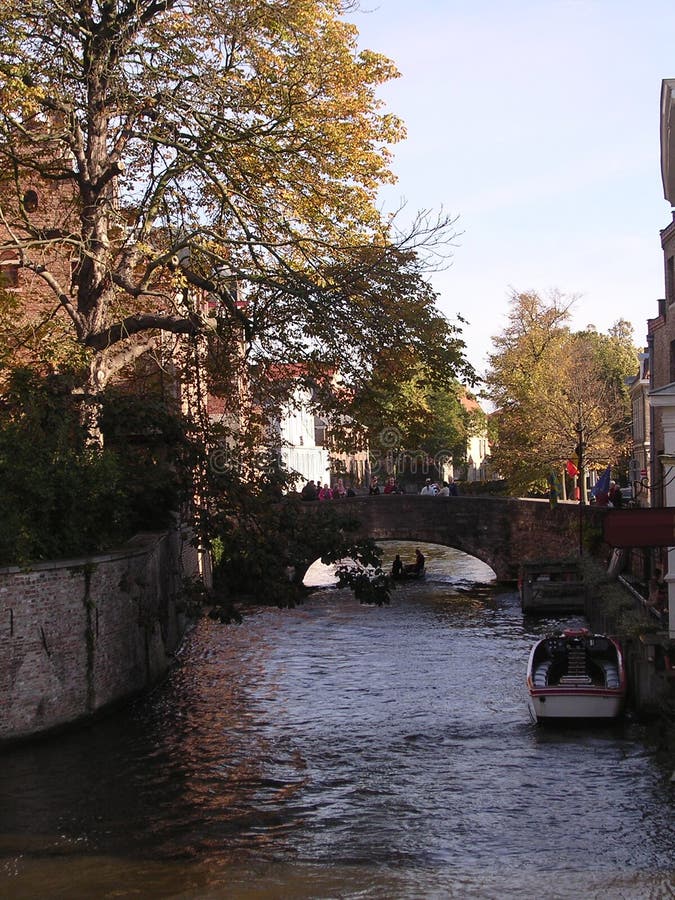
(581, 466)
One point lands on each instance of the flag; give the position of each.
(571, 469)
(555, 489)
(602, 484)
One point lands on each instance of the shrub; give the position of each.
(61, 494)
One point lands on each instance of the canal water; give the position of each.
(344, 751)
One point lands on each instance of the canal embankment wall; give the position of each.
(649, 654)
(79, 635)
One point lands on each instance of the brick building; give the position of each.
(478, 446)
(640, 462)
(661, 349)
(33, 209)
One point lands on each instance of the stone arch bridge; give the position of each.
(501, 531)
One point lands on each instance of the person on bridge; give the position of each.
(615, 496)
(309, 491)
(429, 489)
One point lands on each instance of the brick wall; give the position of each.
(661, 337)
(77, 635)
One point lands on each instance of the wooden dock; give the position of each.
(555, 587)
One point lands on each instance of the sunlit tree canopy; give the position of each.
(554, 389)
(229, 150)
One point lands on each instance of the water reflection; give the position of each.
(343, 751)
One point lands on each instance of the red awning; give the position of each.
(640, 527)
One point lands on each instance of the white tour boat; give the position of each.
(574, 674)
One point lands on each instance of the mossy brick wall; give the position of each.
(78, 635)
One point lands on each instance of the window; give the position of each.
(30, 201)
(9, 269)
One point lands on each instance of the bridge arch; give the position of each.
(440, 561)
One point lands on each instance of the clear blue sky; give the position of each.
(537, 123)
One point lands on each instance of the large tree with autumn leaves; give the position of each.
(194, 145)
(554, 389)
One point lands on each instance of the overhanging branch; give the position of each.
(192, 325)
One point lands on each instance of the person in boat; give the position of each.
(397, 567)
(419, 562)
(417, 567)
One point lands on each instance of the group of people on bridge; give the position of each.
(439, 488)
(391, 486)
(612, 497)
(312, 491)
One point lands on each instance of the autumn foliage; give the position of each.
(550, 385)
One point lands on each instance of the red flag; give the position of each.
(571, 469)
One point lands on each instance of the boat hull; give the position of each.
(410, 576)
(552, 704)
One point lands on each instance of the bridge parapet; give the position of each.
(501, 531)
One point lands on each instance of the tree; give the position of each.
(61, 496)
(159, 154)
(410, 415)
(194, 184)
(263, 547)
(555, 389)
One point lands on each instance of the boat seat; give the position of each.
(611, 674)
(540, 676)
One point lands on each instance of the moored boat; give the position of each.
(399, 572)
(547, 587)
(574, 674)
(409, 574)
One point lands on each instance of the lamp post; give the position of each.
(581, 466)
